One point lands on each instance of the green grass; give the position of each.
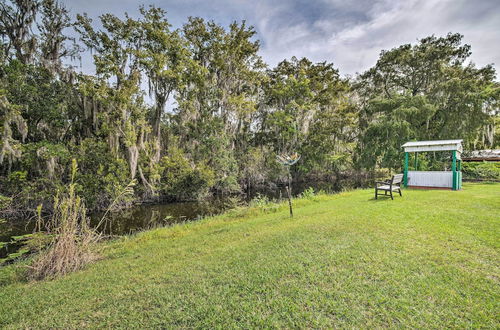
(427, 260)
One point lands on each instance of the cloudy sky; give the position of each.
(350, 34)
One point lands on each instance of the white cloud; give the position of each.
(356, 47)
(350, 34)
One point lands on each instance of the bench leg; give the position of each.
(391, 196)
(400, 193)
(376, 195)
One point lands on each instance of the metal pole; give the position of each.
(289, 190)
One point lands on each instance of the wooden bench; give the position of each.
(394, 184)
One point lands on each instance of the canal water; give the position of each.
(147, 216)
(136, 218)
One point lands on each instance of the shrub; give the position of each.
(231, 202)
(183, 180)
(481, 170)
(308, 193)
(259, 201)
(4, 202)
(264, 204)
(101, 175)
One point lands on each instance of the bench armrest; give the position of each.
(382, 182)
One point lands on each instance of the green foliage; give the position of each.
(423, 92)
(260, 201)
(101, 175)
(264, 204)
(308, 193)
(232, 202)
(28, 244)
(17, 177)
(181, 179)
(45, 102)
(481, 170)
(5, 202)
(216, 115)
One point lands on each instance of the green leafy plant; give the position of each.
(259, 201)
(481, 170)
(308, 193)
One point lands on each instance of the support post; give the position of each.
(454, 170)
(405, 177)
(289, 191)
(459, 174)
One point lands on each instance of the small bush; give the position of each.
(259, 201)
(183, 180)
(308, 193)
(232, 202)
(100, 175)
(264, 204)
(481, 170)
(5, 202)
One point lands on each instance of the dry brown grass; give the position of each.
(71, 246)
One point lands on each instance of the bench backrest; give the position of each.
(396, 179)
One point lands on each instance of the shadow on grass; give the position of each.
(383, 198)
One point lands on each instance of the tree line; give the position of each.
(190, 112)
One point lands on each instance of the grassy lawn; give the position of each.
(430, 259)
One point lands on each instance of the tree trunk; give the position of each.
(133, 153)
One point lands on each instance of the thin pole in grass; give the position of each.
(287, 161)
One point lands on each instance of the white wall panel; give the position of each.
(430, 178)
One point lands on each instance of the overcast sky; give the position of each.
(350, 34)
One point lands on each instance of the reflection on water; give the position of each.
(148, 216)
(123, 222)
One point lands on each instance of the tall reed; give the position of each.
(70, 248)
